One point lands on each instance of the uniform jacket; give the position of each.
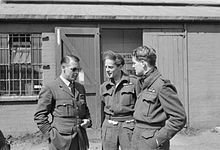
(4, 144)
(67, 110)
(158, 106)
(119, 100)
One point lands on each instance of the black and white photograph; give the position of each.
(109, 74)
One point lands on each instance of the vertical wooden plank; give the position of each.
(171, 59)
(85, 47)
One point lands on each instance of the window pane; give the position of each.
(23, 71)
(36, 72)
(3, 87)
(36, 42)
(3, 72)
(26, 87)
(4, 41)
(4, 56)
(14, 72)
(37, 86)
(4, 49)
(15, 87)
(20, 48)
(29, 72)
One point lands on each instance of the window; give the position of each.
(20, 64)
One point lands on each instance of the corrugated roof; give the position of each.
(108, 12)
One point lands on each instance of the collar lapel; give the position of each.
(64, 87)
(76, 93)
(151, 79)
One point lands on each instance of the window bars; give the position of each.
(20, 64)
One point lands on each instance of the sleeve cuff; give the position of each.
(46, 128)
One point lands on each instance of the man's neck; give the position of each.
(147, 70)
(117, 78)
(65, 80)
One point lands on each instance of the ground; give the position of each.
(187, 139)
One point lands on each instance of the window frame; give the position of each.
(35, 65)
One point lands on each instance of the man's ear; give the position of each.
(121, 66)
(144, 64)
(63, 68)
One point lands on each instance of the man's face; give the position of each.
(138, 67)
(111, 69)
(71, 70)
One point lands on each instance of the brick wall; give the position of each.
(48, 57)
(204, 75)
(17, 119)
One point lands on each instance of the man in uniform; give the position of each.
(159, 114)
(118, 96)
(65, 100)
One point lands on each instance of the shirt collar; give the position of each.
(124, 78)
(65, 80)
(149, 78)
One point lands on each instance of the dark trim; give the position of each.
(112, 19)
(90, 94)
(22, 102)
(96, 2)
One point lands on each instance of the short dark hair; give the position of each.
(66, 59)
(117, 58)
(145, 53)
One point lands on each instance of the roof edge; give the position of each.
(116, 2)
(105, 18)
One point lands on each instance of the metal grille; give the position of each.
(20, 64)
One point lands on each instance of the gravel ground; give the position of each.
(190, 139)
(36, 141)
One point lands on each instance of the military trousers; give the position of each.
(115, 134)
(144, 139)
(76, 141)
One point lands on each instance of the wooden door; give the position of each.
(171, 58)
(84, 43)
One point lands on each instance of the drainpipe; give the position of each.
(187, 75)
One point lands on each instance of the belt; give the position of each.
(118, 118)
(117, 122)
(149, 125)
(75, 121)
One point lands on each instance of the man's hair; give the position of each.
(117, 58)
(145, 53)
(66, 59)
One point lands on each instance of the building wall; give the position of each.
(17, 119)
(48, 57)
(204, 75)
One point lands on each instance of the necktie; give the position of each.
(72, 87)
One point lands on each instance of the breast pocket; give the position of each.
(65, 108)
(107, 96)
(149, 102)
(127, 95)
